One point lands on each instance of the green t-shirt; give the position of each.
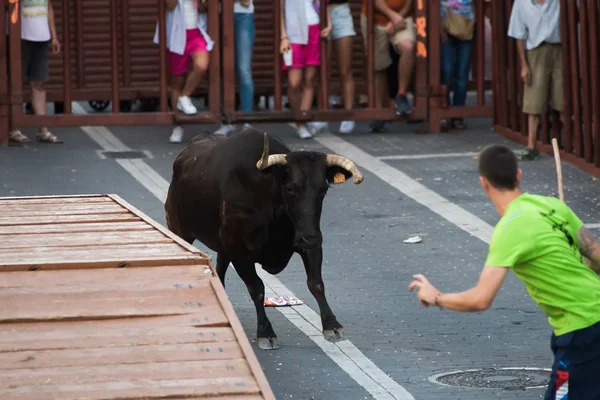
(537, 238)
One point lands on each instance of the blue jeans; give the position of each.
(244, 43)
(456, 61)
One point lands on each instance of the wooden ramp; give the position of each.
(100, 302)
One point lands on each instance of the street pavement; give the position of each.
(367, 267)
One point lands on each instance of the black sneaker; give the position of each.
(529, 154)
(402, 105)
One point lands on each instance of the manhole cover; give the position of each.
(496, 378)
(125, 154)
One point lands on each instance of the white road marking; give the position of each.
(427, 156)
(345, 354)
(592, 226)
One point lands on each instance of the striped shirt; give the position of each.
(536, 23)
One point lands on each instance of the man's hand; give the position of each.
(427, 293)
(284, 46)
(526, 75)
(55, 46)
(325, 32)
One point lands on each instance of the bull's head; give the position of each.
(304, 178)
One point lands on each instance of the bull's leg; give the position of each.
(222, 264)
(265, 336)
(313, 259)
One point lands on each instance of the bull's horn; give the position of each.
(343, 162)
(267, 160)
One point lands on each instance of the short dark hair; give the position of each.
(498, 164)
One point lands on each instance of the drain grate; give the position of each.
(130, 155)
(496, 378)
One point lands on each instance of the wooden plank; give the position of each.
(92, 239)
(82, 252)
(120, 355)
(157, 226)
(176, 329)
(164, 277)
(110, 304)
(54, 209)
(45, 264)
(221, 388)
(237, 328)
(75, 228)
(60, 219)
(96, 198)
(212, 377)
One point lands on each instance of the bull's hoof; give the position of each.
(267, 343)
(334, 335)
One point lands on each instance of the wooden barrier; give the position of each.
(101, 302)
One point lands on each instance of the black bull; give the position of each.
(252, 200)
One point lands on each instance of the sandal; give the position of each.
(47, 137)
(18, 137)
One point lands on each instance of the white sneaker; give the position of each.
(225, 129)
(347, 126)
(184, 104)
(318, 127)
(304, 133)
(177, 135)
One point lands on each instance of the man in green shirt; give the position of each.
(546, 245)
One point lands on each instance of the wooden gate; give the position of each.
(580, 135)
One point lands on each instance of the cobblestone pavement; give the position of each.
(367, 267)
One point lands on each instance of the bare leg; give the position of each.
(343, 47)
(38, 101)
(295, 89)
(533, 122)
(308, 90)
(406, 65)
(200, 66)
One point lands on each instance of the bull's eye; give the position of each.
(290, 189)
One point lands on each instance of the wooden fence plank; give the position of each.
(34, 359)
(176, 329)
(164, 277)
(60, 219)
(92, 239)
(137, 226)
(113, 304)
(61, 209)
(98, 198)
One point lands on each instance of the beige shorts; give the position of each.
(545, 65)
(383, 40)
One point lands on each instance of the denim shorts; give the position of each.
(342, 24)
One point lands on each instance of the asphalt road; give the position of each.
(367, 267)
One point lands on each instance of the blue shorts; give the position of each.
(342, 24)
(576, 368)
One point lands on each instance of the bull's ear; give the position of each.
(337, 174)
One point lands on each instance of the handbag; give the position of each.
(458, 26)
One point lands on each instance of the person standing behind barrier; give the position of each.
(243, 11)
(300, 34)
(187, 42)
(342, 35)
(458, 22)
(38, 33)
(536, 26)
(393, 24)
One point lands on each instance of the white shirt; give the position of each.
(536, 23)
(190, 12)
(176, 35)
(239, 8)
(34, 21)
(311, 15)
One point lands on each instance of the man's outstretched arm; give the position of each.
(479, 298)
(590, 248)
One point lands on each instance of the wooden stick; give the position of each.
(561, 194)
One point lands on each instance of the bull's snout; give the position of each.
(307, 242)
